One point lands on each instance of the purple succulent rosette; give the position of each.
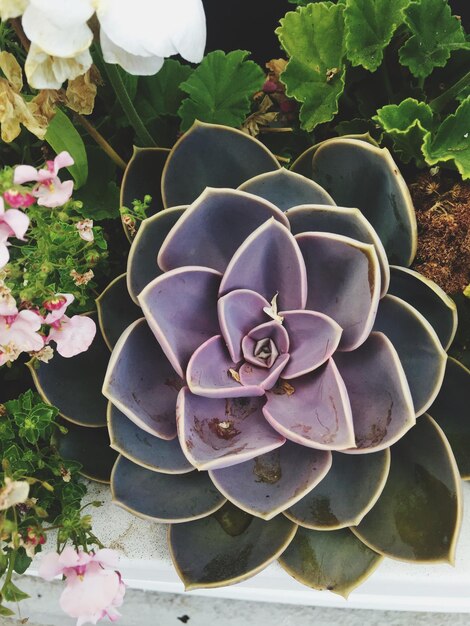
(272, 376)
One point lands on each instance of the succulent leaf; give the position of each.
(144, 449)
(141, 383)
(222, 215)
(268, 484)
(418, 347)
(93, 453)
(451, 411)
(418, 515)
(206, 555)
(334, 560)
(74, 385)
(428, 298)
(340, 221)
(166, 498)
(346, 494)
(142, 266)
(116, 311)
(360, 175)
(287, 189)
(226, 158)
(333, 260)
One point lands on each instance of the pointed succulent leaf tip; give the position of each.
(269, 261)
(265, 378)
(340, 221)
(74, 385)
(142, 266)
(418, 515)
(346, 494)
(314, 338)
(116, 311)
(361, 175)
(92, 452)
(343, 278)
(181, 309)
(166, 498)
(141, 383)
(313, 410)
(268, 484)
(419, 349)
(429, 299)
(213, 227)
(144, 449)
(334, 560)
(381, 402)
(206, 555)
(143, 177)
(210, 373)
(220, 432)
(226, 158)
(286, 189)
(450, 410)
(239, 311)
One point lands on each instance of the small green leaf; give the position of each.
(162, 91)
(435, 34)
(62, 135)
(220, 89)
(451, 142)
(4, 612)
(370, 25)
(11, 593)
(313, 38)
(406, 123)
(22, 561)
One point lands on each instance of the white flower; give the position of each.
(14, 492)
(85, 230)
(12, 8)
(138, 35)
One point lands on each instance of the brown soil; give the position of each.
(443, 215)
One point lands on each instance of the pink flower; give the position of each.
(18, 333)
(12, 223)
(18, 200)
(72, 335)
(49, 190)
(93, 589)
(7, 301)
(85, 229)
(57, 307)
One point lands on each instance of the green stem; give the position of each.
(440, 102)
(125, 101)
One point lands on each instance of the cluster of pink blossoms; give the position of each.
(94, 589)
(26, 330)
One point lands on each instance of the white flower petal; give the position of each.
(132, 63)
(11, 8)
(61, 33)
(44, 71)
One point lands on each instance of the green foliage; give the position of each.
(344, 66)
(435, 33)
(62, 135)
(28, 427)
(370, 25)
(406, 123)
(451, 141)
(162, 92)
(100, 195)
(313, 37)
(220, 89)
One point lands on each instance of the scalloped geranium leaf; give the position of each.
(313, 38)
(406, 123)
(163, 89)
(334, 560)
(435, 34)
(370, 25)
(220, 89)
(451, 142)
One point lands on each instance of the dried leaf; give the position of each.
(15, 111)
(81, 91)
(12, 70)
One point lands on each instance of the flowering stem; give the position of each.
(101, 141)
(440, 102)
(123, 96)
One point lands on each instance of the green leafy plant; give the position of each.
(53, 501)
(358, 60)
